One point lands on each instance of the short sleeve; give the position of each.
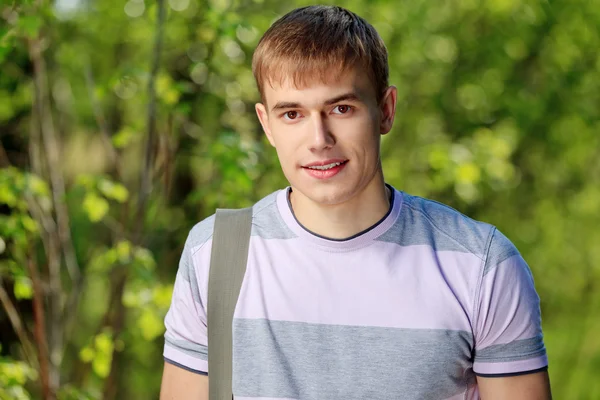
(186, 342)
(508, 331)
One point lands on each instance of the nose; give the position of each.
(321, 136)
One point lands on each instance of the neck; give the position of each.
(346, 219)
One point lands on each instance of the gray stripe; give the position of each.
(501, 249)
(427, 222)
(194, 283)
(191, 349)
(198, 235)
(514, 351)
(317, 361)
(183, 272)
(186, 271)
(267, 222)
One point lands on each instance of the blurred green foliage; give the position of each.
(498, 116)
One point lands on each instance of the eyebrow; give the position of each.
(344, 97)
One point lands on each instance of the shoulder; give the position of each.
(266, 222)
(428, 222)
(200, 233)
(445, 228)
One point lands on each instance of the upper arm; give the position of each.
(535, 386)
(507, 328)
(186, 341)
(180, 384)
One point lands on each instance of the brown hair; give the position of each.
(319, 42)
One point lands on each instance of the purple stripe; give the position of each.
(334, 245)
(510, 367)
(263, 398)
(186, 319)
(181, 358)
(405, 289)
(509, 305)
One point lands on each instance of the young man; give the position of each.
(354, 289)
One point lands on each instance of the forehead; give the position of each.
(315, 90)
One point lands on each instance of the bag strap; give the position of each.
(229, 255)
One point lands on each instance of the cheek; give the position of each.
(285, 147)
(286, 138)
(363, 135)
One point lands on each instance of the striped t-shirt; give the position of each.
(412, 308)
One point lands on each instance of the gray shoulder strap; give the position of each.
(228, 259)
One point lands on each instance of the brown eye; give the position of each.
(343, 109)
(291, 114)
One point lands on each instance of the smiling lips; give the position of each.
(325, 169)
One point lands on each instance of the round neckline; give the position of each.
(358, 240)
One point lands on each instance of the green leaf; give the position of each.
(115, 191)
(85, 180)
(104, 350)
(23, 288)
(131, 299)
(29, 224)
(144, 258)
(4, 32)
(102, 261)
(38, 186)
(95, 206)
(69, 392)
(87, 354)
(111, 256)
(30, 25)
(104, 343)
(171, 97)
(7, 195)
(150, 325)
(468, 173)
(14, 373)
(4, 51)
(7, 108)
(11, 268)
(123, 138)
(162, 295)
(166, 91)
(101, 365)
(123, 249)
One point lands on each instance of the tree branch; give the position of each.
(17, 324)
(40, 329)
(46, 125)
(111, 386)
(4, 161)
(99, 116)
(146, 173)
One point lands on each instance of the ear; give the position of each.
(263, 117)
(388, 109)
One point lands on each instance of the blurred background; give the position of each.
(123, 123)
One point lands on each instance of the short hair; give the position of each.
(319, 42)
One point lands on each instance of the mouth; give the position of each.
(325, 165)
(325, 170)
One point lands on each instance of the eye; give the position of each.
(341, 109)
(291, 115)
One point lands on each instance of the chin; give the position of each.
(327, 195)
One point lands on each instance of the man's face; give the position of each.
(327, 135)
